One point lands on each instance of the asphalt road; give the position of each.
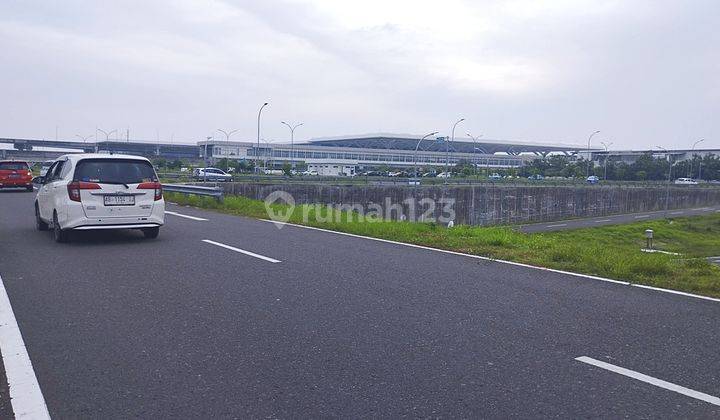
(117, 326)
(617, 219)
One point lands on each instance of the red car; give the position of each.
(15, 174)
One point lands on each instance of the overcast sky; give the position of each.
(644, 72)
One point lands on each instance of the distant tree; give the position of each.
(223, 164)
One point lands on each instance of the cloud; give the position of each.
(643, 72)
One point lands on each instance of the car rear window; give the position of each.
(114, 171)
(13, 166)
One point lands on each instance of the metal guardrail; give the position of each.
(215, 192)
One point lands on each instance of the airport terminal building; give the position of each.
(344, 154)
(383, 150)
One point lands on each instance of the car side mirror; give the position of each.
(38, 180)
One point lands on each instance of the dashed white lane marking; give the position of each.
(199, 219)
(602, 221)
(242, 251)
(560, 225)
(480, 257)
(642, 216)
(650, 380)
(25, 396)
(677, 212)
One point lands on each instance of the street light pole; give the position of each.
(257, 168)
(227, 134)
(107, 134)
(589, 154)
(692, 155)
(83, 138)
(205, 154)
(487, 161)
(416, 150)
(474, 139)
(447, 149)
(292, 141)
(227, 138)
(667, 189)
(607, 155)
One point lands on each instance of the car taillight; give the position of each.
(152, 186)
(29, 173)
(75, 187)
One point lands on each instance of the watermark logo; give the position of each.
(279, 206)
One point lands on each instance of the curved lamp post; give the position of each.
(107, 134)
(667, 189)
(447, 149)
(607, 156)
(588, 150)
(292, 141)
(416, 150)
(83, 138)
(257, 168)
(692, 155)
(474, 139)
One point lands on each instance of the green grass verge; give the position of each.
(609, 251)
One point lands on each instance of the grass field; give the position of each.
(609, 251)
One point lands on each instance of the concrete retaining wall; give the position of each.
(491, 204)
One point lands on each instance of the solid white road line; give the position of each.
(603, 221)
(642, 216)
(242, 251)
(677, 212)
(199, 219)
(25, 396)
(560, 225)
(480, 257)
(650, 380)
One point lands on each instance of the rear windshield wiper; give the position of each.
(114, 183)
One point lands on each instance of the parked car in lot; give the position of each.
(15, 174)
(309, 173)
(444, 175)
(99, 191)
(495, 177)
(592, 179)
(685, 181)
(536, 177)
(211, 174)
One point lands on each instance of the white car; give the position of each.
(685, 181)
(444, 175)
(99, 191)
(211, 174)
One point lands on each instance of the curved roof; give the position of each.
(464, 145)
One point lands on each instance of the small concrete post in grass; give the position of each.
(649, 237)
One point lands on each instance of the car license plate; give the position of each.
(119, 200)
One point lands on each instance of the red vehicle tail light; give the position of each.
(75, 187)
(152, 186)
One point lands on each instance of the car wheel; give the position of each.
(59, 235)
(151, 233)
(42, 226)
